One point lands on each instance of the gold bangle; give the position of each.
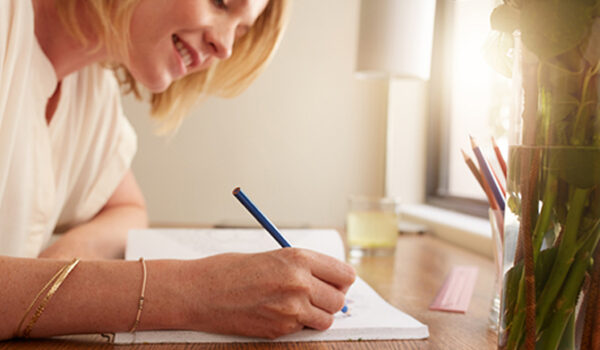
(37, 297)
(141, 299)
(58, 279)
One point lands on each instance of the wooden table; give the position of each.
(409, 280)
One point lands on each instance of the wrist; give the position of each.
(165, 301)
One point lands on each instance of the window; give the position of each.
(468, 97)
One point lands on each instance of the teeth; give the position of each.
(183, 51)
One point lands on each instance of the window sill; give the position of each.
(470, 232)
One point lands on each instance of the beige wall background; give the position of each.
(299, 141)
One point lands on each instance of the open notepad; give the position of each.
(369, 316)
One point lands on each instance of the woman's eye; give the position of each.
(220, 4)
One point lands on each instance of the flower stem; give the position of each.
(566, 253)
(543, 221)
(565, 303)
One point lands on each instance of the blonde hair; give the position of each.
(251, 53)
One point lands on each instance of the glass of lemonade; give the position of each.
(372, 225)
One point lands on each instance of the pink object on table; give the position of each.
(455, 294)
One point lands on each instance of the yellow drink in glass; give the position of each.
(372, 226)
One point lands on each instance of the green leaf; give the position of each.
(578, 166)
(591, 46)
(543, 266)
(514, 3)
(497, 52)
(596, 127)
(560, 119)
(552, 27)
(505, 18)
(510, 293)
(560, 83)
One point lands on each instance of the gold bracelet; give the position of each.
(37, 297)
(141, 299)
(58, 279)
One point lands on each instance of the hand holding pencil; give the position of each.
(267, 295)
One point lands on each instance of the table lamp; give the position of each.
(395, 43)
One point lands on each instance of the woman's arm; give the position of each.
(266, 295)
(105, 235)
(96, 296)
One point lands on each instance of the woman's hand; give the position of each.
(267, 294)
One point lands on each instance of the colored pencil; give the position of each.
(262, 220)
(498, 181)
(473, 168)
(487, 175)
(499, 157)
(486, 189)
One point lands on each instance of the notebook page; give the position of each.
(199, 243)
(369, 316)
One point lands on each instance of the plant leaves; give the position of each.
(560, 83)
(512, 278)
(505, 18)
(510, 292)
(559, 121)
(591, 47)
(578, 166)
(596, 127)
(543, 266)
(497, 52)
(552, 27)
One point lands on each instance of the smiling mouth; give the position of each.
(187, 55)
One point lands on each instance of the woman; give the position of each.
(65, 151)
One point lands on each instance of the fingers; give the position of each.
(310, 288)
(326, 297)
(332, 271)
(316, 318)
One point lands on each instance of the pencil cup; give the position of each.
(497, 224)
(372, 225)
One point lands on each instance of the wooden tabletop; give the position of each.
(409, 280)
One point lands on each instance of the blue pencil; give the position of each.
(264, 222)
(487, 174)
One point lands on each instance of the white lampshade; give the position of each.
(395, 38)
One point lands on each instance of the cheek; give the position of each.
(152, 66)
(151, 60)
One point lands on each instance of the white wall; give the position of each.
(301, 139)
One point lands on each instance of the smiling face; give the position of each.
(173, 38)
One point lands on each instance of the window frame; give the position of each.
(436, 184)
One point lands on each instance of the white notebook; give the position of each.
(369, 316)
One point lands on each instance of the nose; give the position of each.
(220, 40)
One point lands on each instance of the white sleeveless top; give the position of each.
(60, 174)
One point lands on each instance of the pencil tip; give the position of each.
(473, 144)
